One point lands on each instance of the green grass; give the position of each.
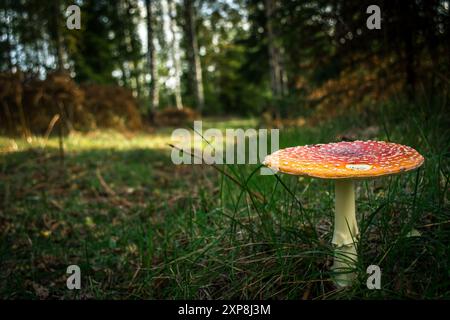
(141, 227)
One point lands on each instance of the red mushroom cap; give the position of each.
(346, 160)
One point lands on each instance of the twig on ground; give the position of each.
(110, 191)
(51, 124)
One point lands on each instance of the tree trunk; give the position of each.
(136, 73)
(175, 53)
(59, 40)
(194, 58)
(151, 60)
(124, 75)
(134, 63)
(276, 72)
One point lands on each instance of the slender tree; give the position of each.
(195, 67)
(151, 60)
(134, 45)
(276, 71)
(58, 36)
(175, 53)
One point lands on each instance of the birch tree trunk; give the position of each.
(134, 63)
(175, 53)
(151, 60)
(195, 72)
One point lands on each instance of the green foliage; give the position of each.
(107, 41)
(319, 42)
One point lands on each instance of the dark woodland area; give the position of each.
(87, 117)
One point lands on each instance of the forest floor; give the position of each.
(141, 227)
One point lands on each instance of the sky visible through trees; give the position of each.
(234, 56)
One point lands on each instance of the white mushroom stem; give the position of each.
(345, 233)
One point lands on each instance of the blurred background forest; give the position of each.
(86, 118)
(132, 59)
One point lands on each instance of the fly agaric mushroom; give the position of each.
(345, 162)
